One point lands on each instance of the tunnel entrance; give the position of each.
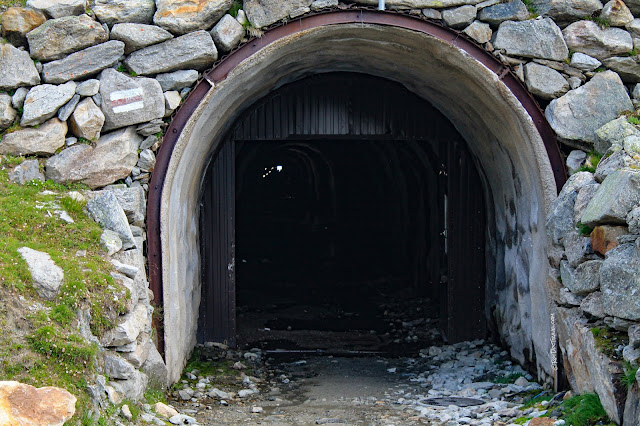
(335, 203)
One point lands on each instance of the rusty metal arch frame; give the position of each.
(363, 16)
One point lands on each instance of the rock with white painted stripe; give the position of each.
(129, 100)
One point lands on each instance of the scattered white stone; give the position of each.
(46, 275)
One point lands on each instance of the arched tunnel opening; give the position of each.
(342, 214)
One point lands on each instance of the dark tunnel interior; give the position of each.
(343, 188)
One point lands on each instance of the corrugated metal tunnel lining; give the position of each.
(342, 178)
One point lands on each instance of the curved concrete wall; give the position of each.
(518, 178)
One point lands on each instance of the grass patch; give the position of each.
(44, 348)
(629, 376)
(235, 7)
(583, 229)
(583, 410)
(537, 399)
(508, 379)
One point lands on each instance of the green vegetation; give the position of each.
(608, 339)
(537, 399)
(508, 379)
(533, 12)
(521, 420)
(602, 22)
(591, 163)
(629, 376)
(584, 230)
(633, 120)
(235, 7)
(44, 348)
(583, 410)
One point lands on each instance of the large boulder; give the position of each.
(615, 198)
(18, 21)
(601, 43)
(155, 369)
(137, 36)
(614, 132)
(460, 17)
(538, 38)
(112, 158)
(566, 11)
(22, 404)
(576, 115)
(262, 13)
(26, 171)
(620, 283)
(192, 51)
(616, 13)
(132, 201)
(16, 68)
(44, 140)
(57, 38)
(184, 16)
(129, 100)
(586, 278)
(46, 276)
(83, 64)
(122, 11)
(42, 102)
(59, 8)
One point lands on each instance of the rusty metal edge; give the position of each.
(225, 66)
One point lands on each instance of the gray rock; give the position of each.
(560, 216)
(47, 277)
(17, 100)
(140, 353)
(584, 62)
(618, 194)
(419, 4)
(227, 33)
(155, 369)
(633, 220)
(85, 63)
(65, 112)
(578, 114)
(616, 13)
(172, 100)
(184, 16)
(577, 248)
(618, 323)
(129, 100)
(614, 132)
(432, 13)
(132, 201)
(567, 274)
(460, 17)
(124, 11)
(59, 8)
(539, 38)
(544, 82)
(514, 10)
(610, 163)
(115, 367)
(564, 11)
(195, 50)
(128, 329)
(129, 271)
(569, 299)
(592, 304)
(150, 128)
(587, 37)
(585, 194)
(26, 171)
(133, 388)
(479, 31)
(620, 282)
(111, 242)
(137, 36)
(113, 157)
(634, 336)
(87, 120)
(182, 419)
(88, 88)
(631, 144)
(147, 160)
(587, 278)
(631, 354)
(575, 159)
(42, 102)
(627, 67)
(321, 4)
(177, 80)
(16, 68)
(7, 113)
(45, 140)
(106, 210)
(262, 13)
(18, 21)
(57, 38)
(634, 6)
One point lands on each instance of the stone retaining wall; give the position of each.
(89, 88)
